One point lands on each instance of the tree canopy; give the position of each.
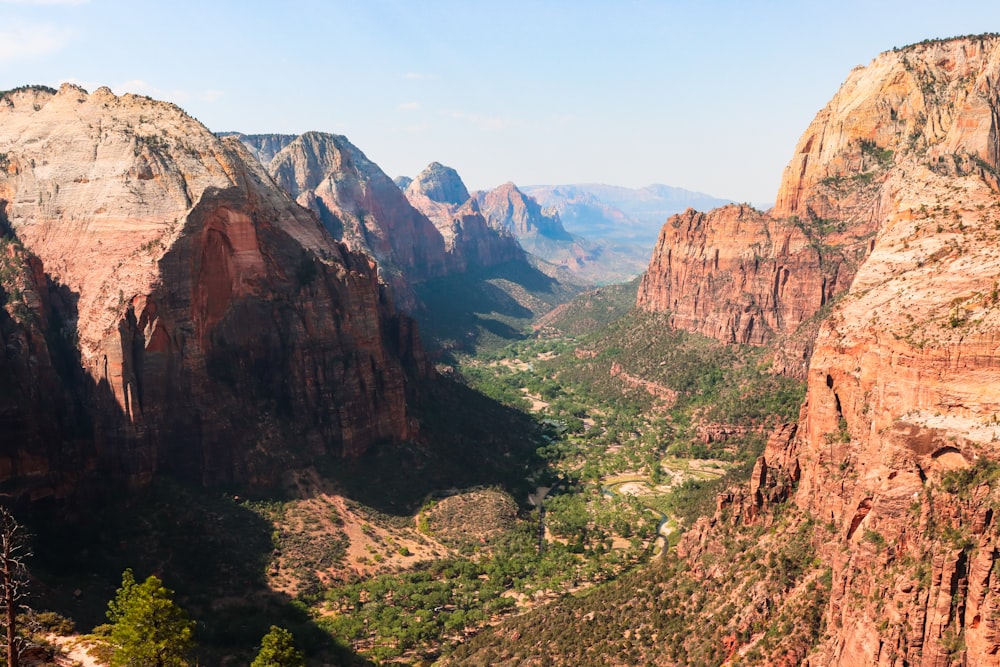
(148, 628)
(277, 649)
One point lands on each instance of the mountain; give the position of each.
(510, 208)
(439, 193)
(493, 290)
(903, 377)
(868, 532)
(623, 215)
(358, 204)
(540, 232)
(891, 200)
(167, 308)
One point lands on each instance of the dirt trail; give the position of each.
(74, 649)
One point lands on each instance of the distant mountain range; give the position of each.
(619, 214)
(541, 232)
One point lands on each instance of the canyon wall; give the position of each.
(216, 330)
(359, 205)
(895, 455)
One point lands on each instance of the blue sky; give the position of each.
(710, 96)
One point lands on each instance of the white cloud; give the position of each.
(408, 106)
(26, 40)
(485, 123)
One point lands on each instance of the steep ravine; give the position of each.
(868, 534)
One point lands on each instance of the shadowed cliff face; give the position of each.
(896, 451)
(220, 329)
(359, 205)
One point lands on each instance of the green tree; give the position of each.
(148, 628)
(277, 649)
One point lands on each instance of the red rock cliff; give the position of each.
(740, 275)
(360, 206)
(896, 450)
(744, 276)
(219, 326)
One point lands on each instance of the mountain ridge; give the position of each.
(167, 251)
(624, 215)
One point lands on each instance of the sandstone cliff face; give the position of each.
(740, 275)
(470, 241)
(896, 446)
(508, 207)
(744, 276)
(362, 207)
(219, 326)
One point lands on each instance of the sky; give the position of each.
(711, 96)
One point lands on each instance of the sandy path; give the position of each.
(74, 651)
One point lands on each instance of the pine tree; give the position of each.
(277, 649)
(148, 628)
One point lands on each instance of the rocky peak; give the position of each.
(507, 207)
(932, 98)
(360, 206)
(470, 241)
(216, 326)
(262, 146)
(440, 184)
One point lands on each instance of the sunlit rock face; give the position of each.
(358, 204)
(470, 241)
(215, 325)
(895, 454)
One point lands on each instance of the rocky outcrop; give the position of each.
(440, 184)
(216, 328)
(508, 207)
(470, 241)
(362, 207)
(742, 276)
(896, 450)
(541, 232)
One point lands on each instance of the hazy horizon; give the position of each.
(708, 97)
